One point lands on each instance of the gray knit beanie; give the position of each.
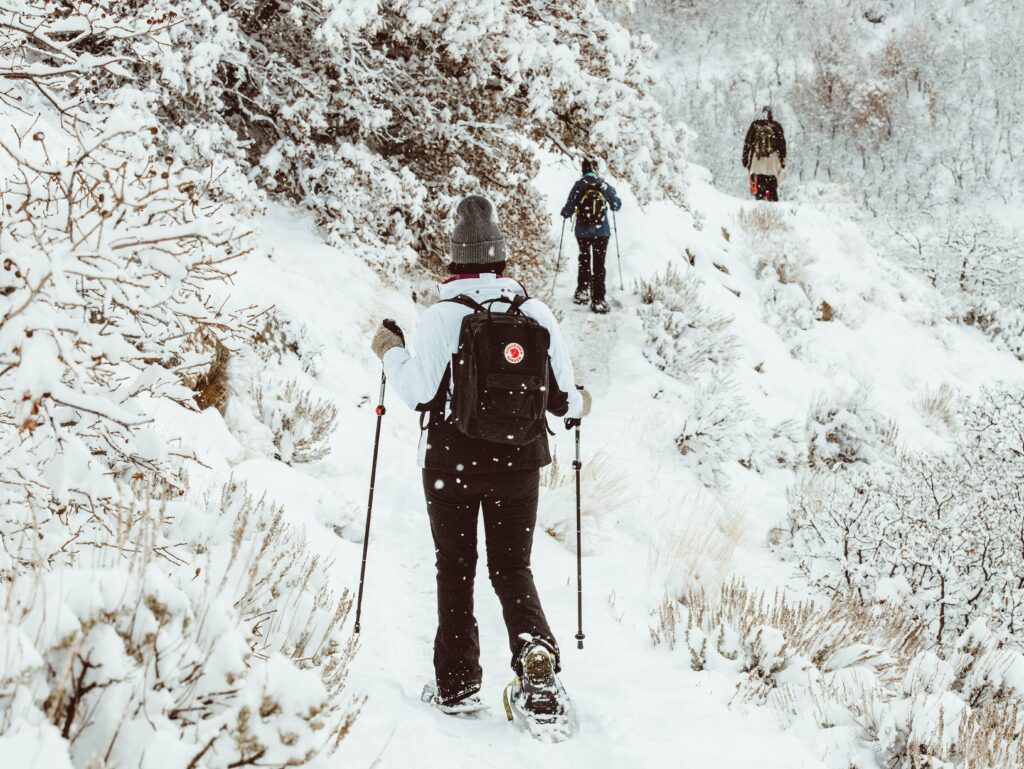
(477, 238)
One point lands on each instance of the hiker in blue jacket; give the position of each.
(589, 201)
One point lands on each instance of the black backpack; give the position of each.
(592, 207)
(500, 374)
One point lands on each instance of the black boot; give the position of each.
(582, 295)
(600, 306)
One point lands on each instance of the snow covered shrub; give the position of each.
(781, 260)
(211, 633)
(140, 626)
(976, 262)
(685, 338)
(280, 336)
(762, 220)
(785, 447)
(720, 431)
(865, 676)
(113, 258)
(944, 530)
(843, 428)
(301, 423)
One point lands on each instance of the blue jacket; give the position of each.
(590, 181)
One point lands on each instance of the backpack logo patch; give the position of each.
(514, 352)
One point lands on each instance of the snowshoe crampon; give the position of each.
(468, 707)
(537, 702)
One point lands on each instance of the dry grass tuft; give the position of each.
(939, 406)
(760, 221)
(695, 539)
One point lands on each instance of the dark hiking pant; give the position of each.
(592, 272)
(766, 187)
(509, 502)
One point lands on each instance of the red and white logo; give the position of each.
(514, 352)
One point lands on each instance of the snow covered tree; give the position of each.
(379, 116)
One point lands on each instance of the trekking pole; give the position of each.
(558, 264)
(618, 253)
(369, 505)
(577, 466)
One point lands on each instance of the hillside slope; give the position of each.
(651, 523)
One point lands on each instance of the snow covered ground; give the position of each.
(643, 503)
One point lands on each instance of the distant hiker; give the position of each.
(764, 156)
(489, 362)
(589, 200)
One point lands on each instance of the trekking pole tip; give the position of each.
(579, 640)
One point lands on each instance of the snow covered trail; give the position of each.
(636, 705)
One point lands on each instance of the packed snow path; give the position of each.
(637, 706)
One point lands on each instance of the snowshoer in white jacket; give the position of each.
(462, 474)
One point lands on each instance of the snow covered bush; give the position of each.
(280, 336)
(976, 262)
(685, 338)
(301, 423)
(844, 428)
(720, 431)
(694, 540)
(939, 407)
(781, 260)
(865, 677)
(608, 494)
(210, 635)
(113, 255)
(143, 625)
(943, 531)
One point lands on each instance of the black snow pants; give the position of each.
(509, 502)
(766, 187)
(592, 273)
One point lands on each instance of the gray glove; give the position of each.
(388, 336)
(587, 402)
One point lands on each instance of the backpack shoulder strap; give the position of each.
(517, 304)
(466, 301)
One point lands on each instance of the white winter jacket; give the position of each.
(417, 378)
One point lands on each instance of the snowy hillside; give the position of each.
(802, 476)
(652, 525)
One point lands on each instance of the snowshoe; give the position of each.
(600, 306)
(536, 701)
(469, 706)
(582, 295)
